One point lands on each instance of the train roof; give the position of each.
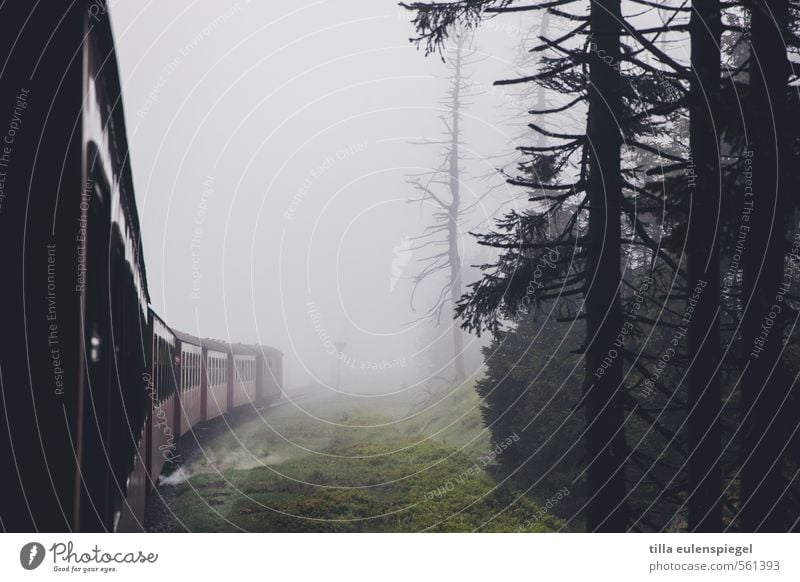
(266, 350)
(187, 337)
(261, 350)
(155, 316)
(217, 346)
(243, 349)
(223, 346)
(102, 31)
(240, 348)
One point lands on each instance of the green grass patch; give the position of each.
(343, 464)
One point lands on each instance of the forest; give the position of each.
(643, 308)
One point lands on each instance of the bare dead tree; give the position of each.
(441, 188)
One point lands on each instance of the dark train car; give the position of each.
(162, 405)
(95, 388)
(73, 372)
(190, 370)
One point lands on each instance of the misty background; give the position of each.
(272, 146)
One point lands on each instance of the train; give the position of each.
(95, 387)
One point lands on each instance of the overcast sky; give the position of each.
(270, 144)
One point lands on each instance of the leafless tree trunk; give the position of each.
(450, 207)
(454, 256)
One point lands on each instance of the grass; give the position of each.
(345, 464)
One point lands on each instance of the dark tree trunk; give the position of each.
(605, 418)
(703, 464)
(764, 385)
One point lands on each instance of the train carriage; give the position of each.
(267, 373)
(190, 397)
(243, 376)
(162, 397)
(216, 394)
(271, 373)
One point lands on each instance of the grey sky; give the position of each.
(270, 144)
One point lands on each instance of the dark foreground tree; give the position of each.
(605, 415)
(765, 385)
(702, 255)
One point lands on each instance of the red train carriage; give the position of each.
(190, 367)
(271, 373)
(243, 376)
(216, 363)
(161, 404)
(268, 373)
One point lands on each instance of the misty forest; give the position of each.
(534, 266)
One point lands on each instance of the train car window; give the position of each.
(156, 371)
(156, 383)
(157, 366)
(164, 376)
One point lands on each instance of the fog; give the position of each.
(271, 145)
